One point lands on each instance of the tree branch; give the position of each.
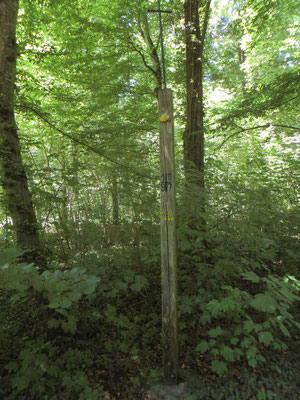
(87, 146)
(38, 113)
(205, 21)
(286, 126)
(144, 30)
(143, 57)
(253, 128)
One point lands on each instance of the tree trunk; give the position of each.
(14, 179)
(193, 137)
(155, 68)
(115, 199)
(242, 59)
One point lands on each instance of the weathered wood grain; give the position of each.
(168, 237)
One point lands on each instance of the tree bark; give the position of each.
(193, 137)
(14, 179)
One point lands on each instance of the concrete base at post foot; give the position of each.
(189, 387)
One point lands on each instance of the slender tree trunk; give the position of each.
(76, 212)
(193, 138)
(155, 68)
(151, 49)
(14, 179)
(115, 199)
(242, 59)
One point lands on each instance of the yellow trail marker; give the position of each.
(164, 118)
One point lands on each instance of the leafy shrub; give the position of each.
(42, 367)
(245, 324)
(61, 289)
(232, 276)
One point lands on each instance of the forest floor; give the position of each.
(278, 379)
(121, 378)
(117, 346)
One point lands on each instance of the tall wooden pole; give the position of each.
(167, 224)
(168, 237)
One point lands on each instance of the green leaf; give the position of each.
(67, 381)
(284, 330)
(249, 325)
(234, 341)
(140, 283)
(72, 324)
(227, 353)
(246, 343)
(12, 366)
(121, 285)
(214, 352)
(38, 284)
(203, 347)
(92, 281)
(219, 367)
(250, 276)
(63, 312)
(65, 303)
(261, 358)
(55, 303)
(61, 286)
(252, 362)
(215, 332)
(227, 304)
(65, 326)
(53, 323)
(214, 307)
(258, 328)
(20, 287)
(251, 353)
(238, 353)
(264, 302)
(266, 324)
(123, 347)
(73, 296)
(286, 292)
(89, 290)
(262, 395)
(9, 255)
(21, 382)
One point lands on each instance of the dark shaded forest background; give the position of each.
(79, 202)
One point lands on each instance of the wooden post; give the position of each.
(168, 237)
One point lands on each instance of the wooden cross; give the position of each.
(159, 11)
(167, 225)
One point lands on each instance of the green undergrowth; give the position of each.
(239, 289)
(74, 332)
(90, 328)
